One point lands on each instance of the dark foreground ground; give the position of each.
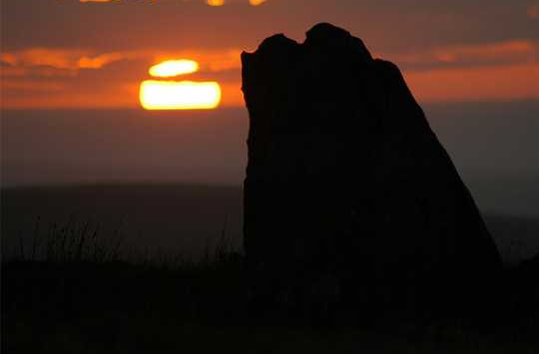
(79, 276)
(116, 307)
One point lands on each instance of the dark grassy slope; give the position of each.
(160, 305)
(116, 307)
(516, 237)
(177, 218)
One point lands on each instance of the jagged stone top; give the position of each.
(332, 130)
(321, 37)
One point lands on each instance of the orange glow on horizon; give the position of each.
(170, 68)
(215, 2)
(170, 95)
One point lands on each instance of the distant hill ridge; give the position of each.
(181, 218)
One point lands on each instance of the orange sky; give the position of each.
(89, 54)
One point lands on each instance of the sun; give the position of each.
(169, 95)
(178, 95)
(170, 68)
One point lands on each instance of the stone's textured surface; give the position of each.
(345, 177)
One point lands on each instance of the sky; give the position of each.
(71, 70)
(81, 54)
(70, 73)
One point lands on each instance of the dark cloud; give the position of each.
(171, 24)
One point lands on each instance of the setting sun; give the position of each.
(161, 95)
(172, 68)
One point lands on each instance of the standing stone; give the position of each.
(347, 188)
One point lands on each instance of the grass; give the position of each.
(76, 289)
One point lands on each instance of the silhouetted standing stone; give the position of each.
(347, 186)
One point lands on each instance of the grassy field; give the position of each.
(80, 284)
(170, 218)
(117, 307)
